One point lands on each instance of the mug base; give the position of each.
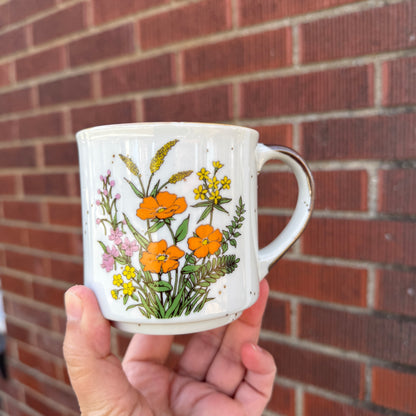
(165, 328)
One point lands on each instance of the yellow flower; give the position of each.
(200, 192)
(217, 164)
(213, 183)
(215, 196)
(129, 272)
(226, 182)
(114, 294)
(128, 288)
(203, 174)
(117, 280)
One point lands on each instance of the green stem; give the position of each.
(148, 185)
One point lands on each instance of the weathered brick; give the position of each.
(61, 23)
(64, 214)
(22, 210)
(256, 11)
(41, 404)
(17, 285)
(209, 104)
(245, 54)
(396, 292)
(13, 41)
(54, 241)
(21, 9)
(397, 191)
(335, 190)
(110, 43)
(282, 400)
(187, 22)
(380, 137)
(319, 406)
(44, 125)
(67, 271)
(275, 134)
(27, 263)
(327, 372)
(380, 337)
(142, 75)
(372, 31)
(8, 130)
(56, 184)
(17, 157)
(336, 89)
(343, 285)
(61, 154)
(5, 74)
(31, 313)
(15, 101)
(270, 226)
(8, 185)
(36, 359)
(96, 115)
(64, 90)
(104, 10)
(372, 240)
(277, 316)
(394, 390)
(48, 294)
(399, 79)
(4, 14)
(40, 63)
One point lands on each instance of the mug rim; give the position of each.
(128, 126)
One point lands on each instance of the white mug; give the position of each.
(170, 222)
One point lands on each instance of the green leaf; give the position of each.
(125, 299)
(135, 190)
(190, 258)
(224, 247)
(155, 189)
(220, 208)
(131, 307)
(202, 204)
(155, 227)
(188, 268)
(175, 303)
(204, 284)
(134, 297)
(160, 286)
(103, 246)
(225, 200)
(182, 230)
(233, 242)
(205, 214)
(139, 238)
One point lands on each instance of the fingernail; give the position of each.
(73, 307)
(256, 348)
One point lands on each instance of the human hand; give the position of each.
(221, 371)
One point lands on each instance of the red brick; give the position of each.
(397, 190)
(67, 271)
(64, 214)
(344, 285)
(15, 101)
(394, 390)
(50, 342)
(41, 63)
(103, 45)
(282, 400)
(386, 137)
(335, 190)
(9, 130)
(43, 407)
(18, 157)
(188, 22)
(36, 359)
(14, 408)
(209, 104)
(47, 184)
(31, 313)
(336, 89)
(44, 125)
(50, 295)
(367, 32)
(142, 75)
(21, 9)
(61, 23)
(122, 112)
(13, 41)
(27, 263)
(22, 211)
(4, 14)
(277, 134)
(8, 185)
(246, 54)
(327, 372)
(277, 316)
(53, 241)
(104, 10)
(16, 285)
(61, 154)
(256, 11)
(64, 90)
(374, 240)
(270, 226)
(5, 74)
(319, 406)
(375, 336)
(396, 292)
(399, 78)
(18, 332)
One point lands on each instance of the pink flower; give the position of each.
(115, 235)
(98, 221)
(101, 177)
(108, 172)
(118, 196)
(108, 258)
(129, 247)
(98, 202)
(112, 183)
(105, 192)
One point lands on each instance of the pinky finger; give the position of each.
(256, 389)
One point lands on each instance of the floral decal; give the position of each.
(171, 277)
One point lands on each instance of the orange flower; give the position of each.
(165, 205)
(161, 257)
(207, 241)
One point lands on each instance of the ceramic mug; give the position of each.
(169, 216)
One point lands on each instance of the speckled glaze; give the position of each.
(170, 222)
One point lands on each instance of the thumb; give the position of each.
(96, 375)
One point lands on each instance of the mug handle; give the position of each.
(304, 205)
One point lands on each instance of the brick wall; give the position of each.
(335, 79)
